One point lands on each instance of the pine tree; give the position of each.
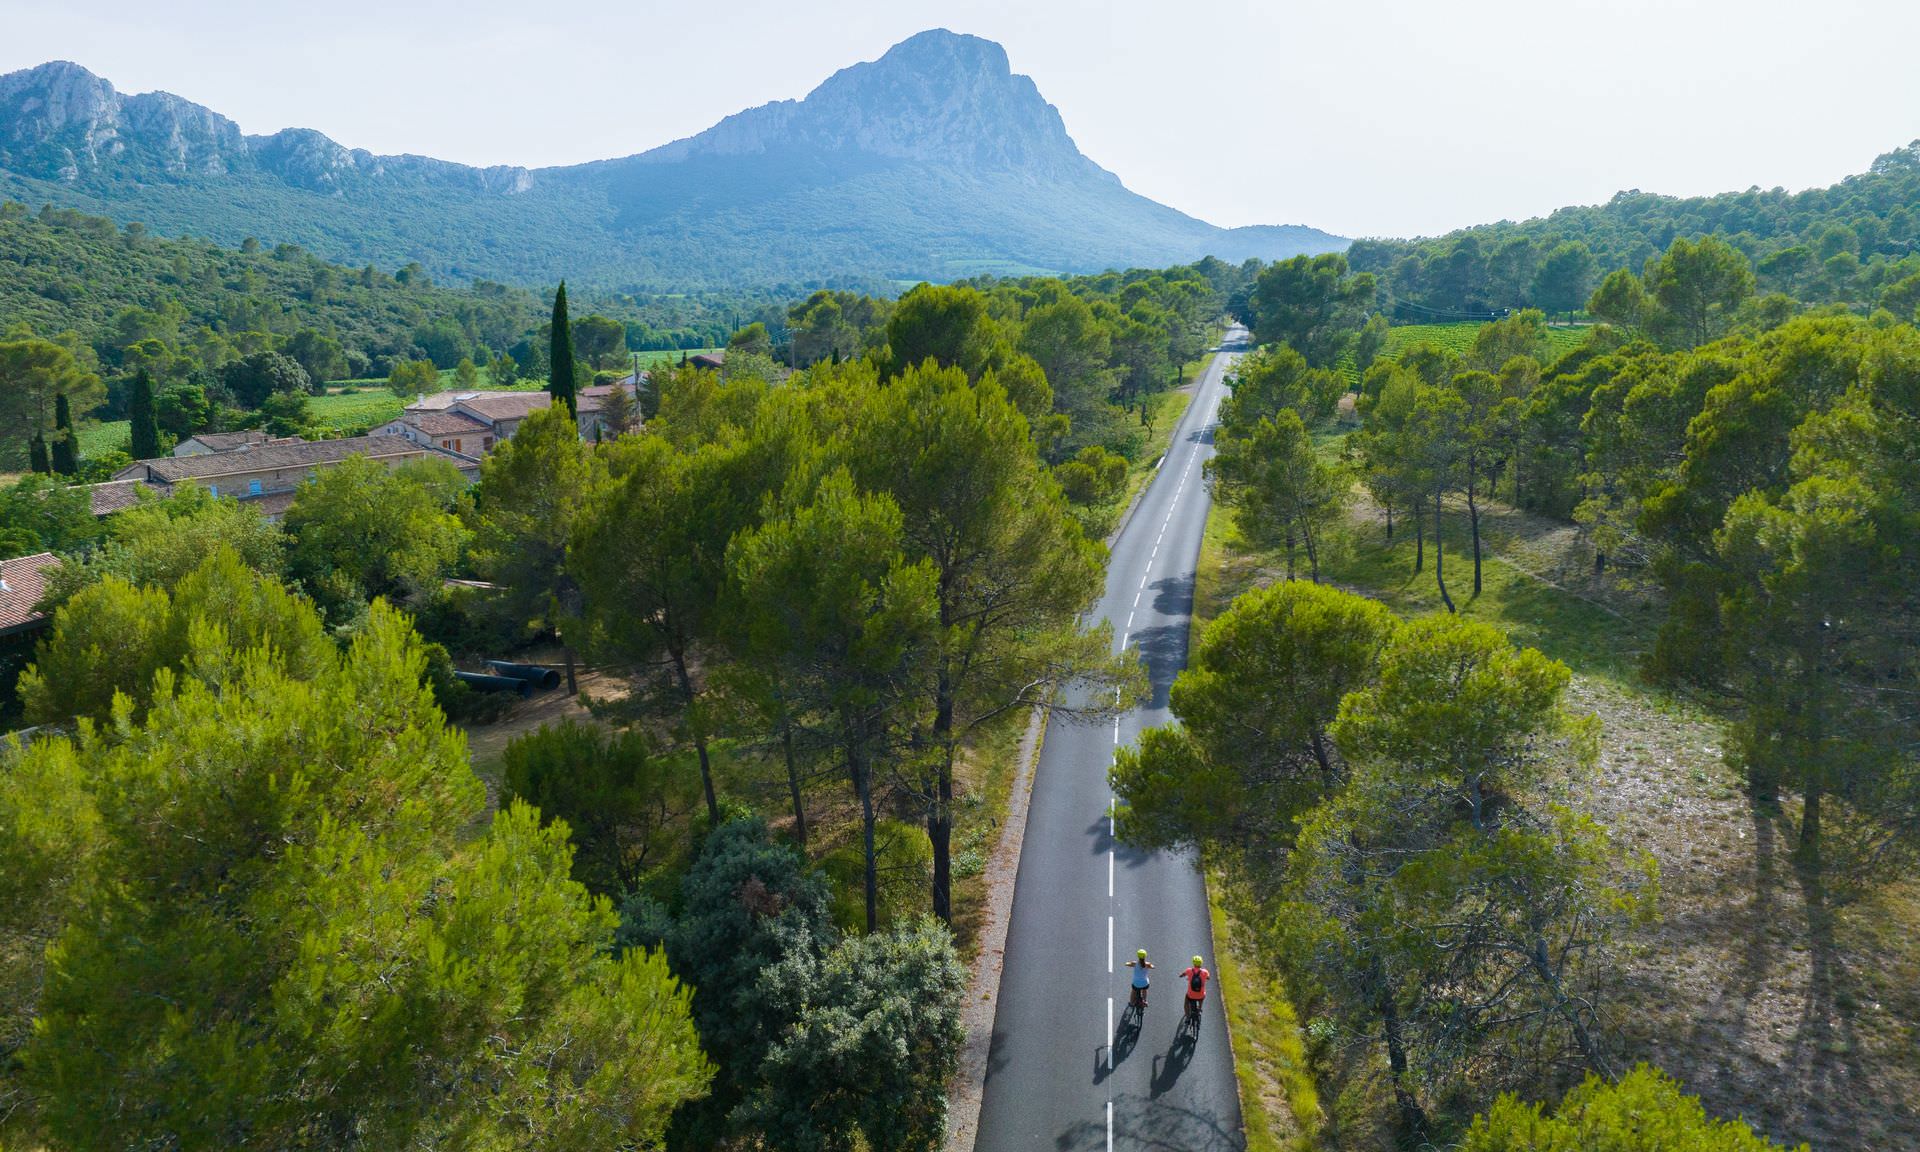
(560, 382)
(65, 459)
(144, 430)
(223, 948)
(37, 451)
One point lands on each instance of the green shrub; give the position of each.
(1645, 1112)
(625, 807)
(460, 702)
(1094, 476)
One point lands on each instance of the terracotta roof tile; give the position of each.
(441, 401)
(169, 469)
(228, 441)
(452, 423)
(23, 580)
(594, 398)
(273, 505)
(113, 496)
(507, 405)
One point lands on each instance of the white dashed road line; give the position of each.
(1113, 802)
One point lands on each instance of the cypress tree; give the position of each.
(143, 428)
(37, 453)
(65, 459)
(560, 361)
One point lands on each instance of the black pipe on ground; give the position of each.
(546, 679)
(481, 682)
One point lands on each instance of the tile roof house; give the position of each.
(474, 422)
(23, 580)
(450, 430)
(591, 401)
(110, 496)
(271, 471)
(467, 422)
(502, 407)
(201, 443)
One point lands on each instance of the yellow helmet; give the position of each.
(1142, 954)
(1196, 962)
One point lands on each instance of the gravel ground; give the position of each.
(1770, 997)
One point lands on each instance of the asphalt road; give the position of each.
(1064, 1072)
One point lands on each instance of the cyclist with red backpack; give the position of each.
(1196, 978)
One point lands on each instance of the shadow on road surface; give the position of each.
(1158, 1127)
(1165, 650)
(1167, 1069)
(1126, 1037)
(1128, 856)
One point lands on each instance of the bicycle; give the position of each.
(1137, 998)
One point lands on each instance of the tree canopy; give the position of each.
(296, 956)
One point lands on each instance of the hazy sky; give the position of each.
(1365, 117)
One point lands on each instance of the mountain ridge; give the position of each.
(934, 161)
(189, 138)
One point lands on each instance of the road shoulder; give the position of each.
(964, 1095)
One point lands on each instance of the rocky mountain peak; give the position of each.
(941, 97)
(61, 121)
(57, 118)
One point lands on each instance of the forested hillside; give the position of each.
(87, 305)
(112, 286)
(1857, 243)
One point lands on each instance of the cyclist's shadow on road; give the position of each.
(1167, 1069)
(1125, 1036)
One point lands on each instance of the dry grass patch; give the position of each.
(1279, 1101)
(1761, 990)
(984, 788)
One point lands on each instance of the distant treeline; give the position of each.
(1855, 243)
(1098, 353)
(116, 287)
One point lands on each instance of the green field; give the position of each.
(1457, 338)
(98, 438)
(670, 355)
(336, 413)
(351, 405)
(344, 411)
